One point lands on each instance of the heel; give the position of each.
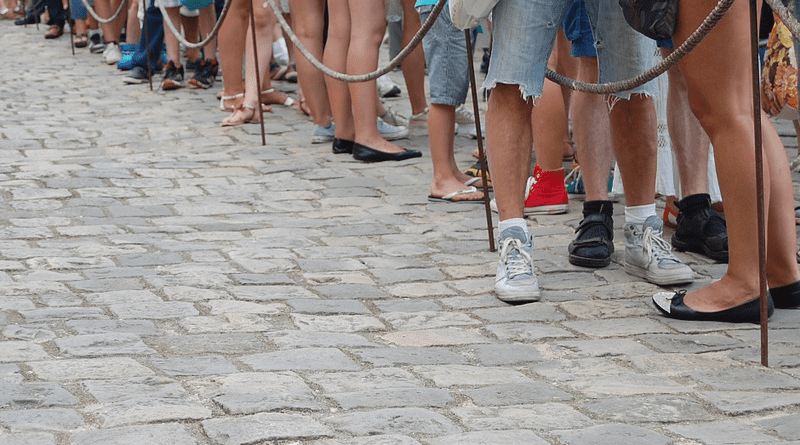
(222, 100)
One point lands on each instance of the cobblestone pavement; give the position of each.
(168, 281)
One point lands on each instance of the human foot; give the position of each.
(274, 97)
(244, 114)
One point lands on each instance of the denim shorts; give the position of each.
(524, 32)
(446, 57)
(579, 31)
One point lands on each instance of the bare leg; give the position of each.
(549, 122)
(718, 82)
(446, 176)
(308, 24)
(508, 132)
(591, 124)
(335, 57)
(170, 40)
(132, 28)
(414, 64)
(231, 40)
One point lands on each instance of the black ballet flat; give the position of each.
(786, 297)
(366, 154)
(672, 305)
(341, 146)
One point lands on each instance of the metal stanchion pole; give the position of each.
(762, 250)
(258, 75)
(147, 46)
(481, 152)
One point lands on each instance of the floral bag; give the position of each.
(779, 74)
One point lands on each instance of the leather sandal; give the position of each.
(54, 32)
(243, 114)
(593, 245)
(267, 97)
(223, 99)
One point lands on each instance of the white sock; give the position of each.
(513, 222)
(639, 214)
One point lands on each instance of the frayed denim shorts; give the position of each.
(524, 32)
(446, 57)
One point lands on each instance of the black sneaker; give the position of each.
(594, 244)
(700, 229)
(205, 74)
(173, 77)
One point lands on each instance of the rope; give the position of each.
(668, 62)
(100, 19)
(361, 77)
(179, 35)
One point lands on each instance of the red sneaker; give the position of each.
(546, 194)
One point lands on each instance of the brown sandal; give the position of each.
(244, 114)
(81, 40)
(54, 32)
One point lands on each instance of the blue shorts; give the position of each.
(579, 31)
(446, 57)
(524, 33)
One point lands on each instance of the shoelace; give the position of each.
(532, 180)
(515, 264)
(656, 245)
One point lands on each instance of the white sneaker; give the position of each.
(464, 116)
(396, 119)
(112, 54)
(419, 118)
(649, 256)
(321, 135)
(387, 87)
(515, 281)
(391, 132)
(473, 132)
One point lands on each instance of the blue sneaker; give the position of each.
(126, 62)
(321, 135)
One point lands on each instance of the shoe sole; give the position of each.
(321, 139)
(396, 136)
(691, 245)
(589, 262)
(518, 298)
(198, 84)
(555, 209)
(663, 281)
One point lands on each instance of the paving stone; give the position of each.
(408, 421)
(406, 305)
(27, 439)
(787, 427)
(502, 354)
(253, 392)
(604, 309)
(190, 366)
(312, 339)
(219, 307)
(32, 334)
(230, 323)
(393, 398)
(338, 323)
(311, 359)
(143, 400)
(542, 416)
(127, 296)
(202, 344)
(323, 307)
(451, 336)
(94, 345)
(411, 356)
(523, 313)
(373, 379)
(599, 348)
(407, 321)
(141, 328)
(264, 427)
(21, 351)
(677, 364)
(604, 434)
(727, 432)
(34, 395)
(350, 291)
(527, 332)
(383, 439)
(508, 437)
(516, 394)
(49, 420)
(690, 343)
(467, 375)
(643, 409)
(156, 434)
(89, 368)
(744, 402)
(744, 378)
(616, 327)
(64, 313)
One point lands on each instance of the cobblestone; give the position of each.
(168, 281)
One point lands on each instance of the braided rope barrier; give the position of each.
(211, 35)
(361, 77)
(100, 19)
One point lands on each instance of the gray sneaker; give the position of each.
(515, 281)
(321, 135)
(390, 132)
(649, 256)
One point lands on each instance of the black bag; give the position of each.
(654, 18)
